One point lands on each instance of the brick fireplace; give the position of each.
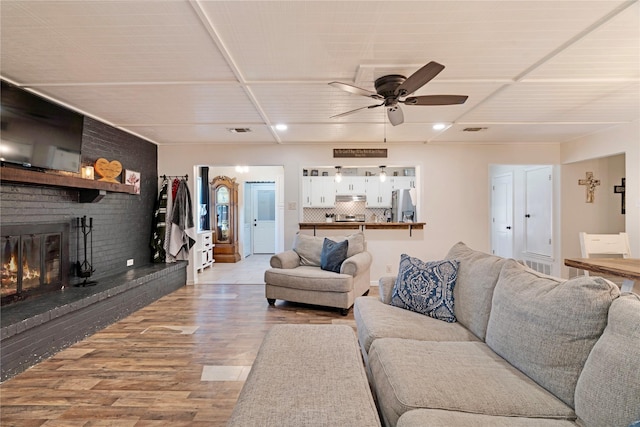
(35, 260)
(37, 327)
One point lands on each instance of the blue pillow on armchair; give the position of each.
(426, 287)
(333, 254)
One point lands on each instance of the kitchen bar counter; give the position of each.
(361, 225)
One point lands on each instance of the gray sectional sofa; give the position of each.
(526, 350)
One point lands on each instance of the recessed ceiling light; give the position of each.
(439, 126)
(281, 126)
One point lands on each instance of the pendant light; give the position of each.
(338, 177)
(383, 174)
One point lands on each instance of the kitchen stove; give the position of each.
(350, 218)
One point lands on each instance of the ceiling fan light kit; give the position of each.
(391, 88)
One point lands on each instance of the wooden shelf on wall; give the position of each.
(90, 190)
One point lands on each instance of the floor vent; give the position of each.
(539, 266)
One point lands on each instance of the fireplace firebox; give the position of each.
(35, 260)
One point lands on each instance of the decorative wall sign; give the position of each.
(108, 170)
(132, 178)
(591, 184)
(359, 152)
(619, 189)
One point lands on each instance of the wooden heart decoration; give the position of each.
(108, 170)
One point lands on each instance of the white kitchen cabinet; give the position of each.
(351, 185)
(306, 192)
(402, 182)
(318, 192)
(378, 193)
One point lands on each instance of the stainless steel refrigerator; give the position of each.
(403, 208)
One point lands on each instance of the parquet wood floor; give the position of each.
(145, 370)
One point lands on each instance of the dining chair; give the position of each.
(605, 246)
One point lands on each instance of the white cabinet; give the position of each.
(204, 250)
(351, 185)
(318, 192)
(306, 192)
(378, 193)
(402, 182)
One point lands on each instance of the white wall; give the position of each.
(453, 185)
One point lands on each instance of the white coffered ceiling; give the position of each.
(184, 72)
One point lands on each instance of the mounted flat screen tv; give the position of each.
(37, 133)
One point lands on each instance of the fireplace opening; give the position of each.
(34, 260)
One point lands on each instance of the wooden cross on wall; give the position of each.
(591, 186)
(619, 189)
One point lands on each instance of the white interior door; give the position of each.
(502, 215)
(538, 224)
(246, 221)
(263, 218)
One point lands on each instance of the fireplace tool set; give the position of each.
(85, 268)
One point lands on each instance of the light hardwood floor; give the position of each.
(177, 362)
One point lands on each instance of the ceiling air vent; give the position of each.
(239, 130)
(474, 129)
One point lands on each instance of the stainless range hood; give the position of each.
(351, 198)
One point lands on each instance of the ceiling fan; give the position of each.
(390, 89)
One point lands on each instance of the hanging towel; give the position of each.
(158, 232)
(183, 231)
(174, 188)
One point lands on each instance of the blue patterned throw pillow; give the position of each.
(426, 287)
(333, 254)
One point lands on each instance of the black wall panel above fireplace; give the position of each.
(122, 222)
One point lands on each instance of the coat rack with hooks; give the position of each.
(185, 177)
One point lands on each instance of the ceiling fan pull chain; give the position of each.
(384, 118)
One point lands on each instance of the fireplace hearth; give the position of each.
(34, 260)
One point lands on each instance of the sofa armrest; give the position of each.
(385, 285)
(287, 259)
(356, 264)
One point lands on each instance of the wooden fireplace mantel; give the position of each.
(90, 190)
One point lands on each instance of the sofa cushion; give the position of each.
(309, 278)
(333, 254)
(376, 319)
(608, 390)
(477, 277)
(545, 326)
(426, 287)
(454, 376)
(439, 418)
(309, 248)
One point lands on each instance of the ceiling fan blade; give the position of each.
(420, 78)
(396, 117)
(356, 90)
(435, 100)
(353, 111)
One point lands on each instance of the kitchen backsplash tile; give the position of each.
(342, 208)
